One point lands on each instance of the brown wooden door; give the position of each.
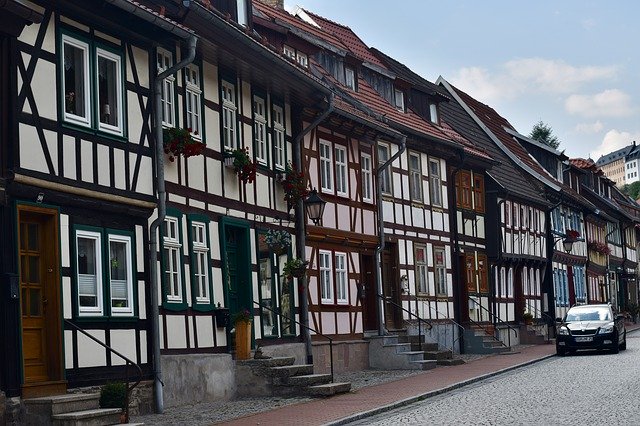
(391, 288)
(39, 300)
(369, 291)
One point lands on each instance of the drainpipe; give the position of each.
(380, 248)
(301, 230)
(162, 210)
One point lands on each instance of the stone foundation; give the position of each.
(193, 378)
(350, 355)
(296, 350)
(140, 401)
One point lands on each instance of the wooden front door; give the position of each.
(368, 293)
(40, 301)
(391, 287)
(238, 269)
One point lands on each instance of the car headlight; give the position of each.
(563, 331)
(606, 329)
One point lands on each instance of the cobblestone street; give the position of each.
(588, 388)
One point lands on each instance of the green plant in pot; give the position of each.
(278, 240)
(295, 268)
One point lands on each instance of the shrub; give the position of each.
(113, 395)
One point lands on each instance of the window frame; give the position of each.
(341, 278)
(196, 248)
(168, 94)
(261, 146)
(478, 193)
(108, 54)
(126, 238)
(228, 108)
(193, 93)
(366, 163)
(279, 136)
(416, 193)
(387, 176)
(433, 113)
(325, 272)
(173, 302)
(350, 77)
(398, 100)
(464, 197)
(325, 154)
(440, 272)
(341, 170)
(421, 270)
(78, 43)
(435, 183)
(94, 234)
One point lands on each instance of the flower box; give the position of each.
(179, 142)
(242, 164)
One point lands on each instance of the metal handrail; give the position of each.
(306, 327)
(491, 314)
(489, 333)
(453, 342)
(543, 314)
(420, 320)
(127, 361)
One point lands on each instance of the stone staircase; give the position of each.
(69, 410)
(529, 335)
(402, 351)
(478, 341)
(281, 377)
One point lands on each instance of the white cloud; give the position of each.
(528, 75)
(610, 103)
(614, 140)
(588, 23)
(589, 127)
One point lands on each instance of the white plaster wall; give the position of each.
(31, 155)
(204, 326)
(69, 157)
(123, 341)
(91, 354)
(175, 332)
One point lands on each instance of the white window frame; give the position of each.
(171, 243)
(229, 119)
(386, 185)
(193, 95)
(302, 59)
(128, 242)
(326, 276)
(279, 148)
(260, 129)
(200, 252)
(510, 282)
(289, 52)
(435, 183)
(326, 166)
(342, 171)
(241, 11)
(433, 113)
(99, 309)
(350, 77)
(367, 178)
(119, 129)
(398, 96)
(422, 271)
(164, 60)
(415, 177)
(440, 269)
(69, 117)
(342, 278)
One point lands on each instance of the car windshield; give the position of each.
(588, 314)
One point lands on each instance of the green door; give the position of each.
(237, 264)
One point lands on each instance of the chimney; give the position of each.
(278, 4)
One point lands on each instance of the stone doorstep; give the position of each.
(95, 417)
(308, 380)
(291, 370)
(329, 389)
(66, 403)
(438, 355)
(400, 347)
(268, 362)
(425, 364)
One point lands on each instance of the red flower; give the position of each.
(180, 142)
(294, 185)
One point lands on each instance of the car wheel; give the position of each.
(615, 348)
(560, 351)
(623, 345)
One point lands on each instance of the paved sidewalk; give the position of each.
(374, 399)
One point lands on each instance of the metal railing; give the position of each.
(495, 320)
(306, 327)
(549, 322)
(420, 320)
(127, 362)
(451, 320)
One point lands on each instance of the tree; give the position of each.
(544, 133)
(632, 190)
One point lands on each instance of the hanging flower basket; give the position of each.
(599, 247)
(242, 164)
(295, 268)
(278, 241)
(179, 141)
(572, 235)
(293, 183)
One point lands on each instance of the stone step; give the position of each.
(291, 370)
(424, 364)
(95, 417)
(414, 355)
(269, 362)
(427, 347)
(308, 380)
(65, 403)
(399, 347)
(437, 355)
(452, 361)
(329, 389)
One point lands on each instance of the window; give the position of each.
(295, 55)
(241, 10)
(172, 259)
(341, 278)
(165, 61)
(104, 272)
(478, 193)
(193, 93)
(120, 274)
(278, 137)
(326, 167)
(260, 130)
(435, 185)
(383, 157)
(510, 283)
(470, 264)
(200, 262)
(302, 59)
(289, 52)
(341, 171)
(350, 78)
(399, 99)
(507, 214)
(89, 269)
(482, 273)
(421, 269)
(516, 216)
(229, 109)
(93, 85)
(440, 272)
(463, 190)
(415, 177)
(326, 283)
(433, 113)
(365, 165)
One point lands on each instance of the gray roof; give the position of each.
(615, 155)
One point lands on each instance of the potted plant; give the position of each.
(242, 164)
(242, 324)
(599, 247)
(572, 235)
(179, 141)
(294, 268)
(278, 241)
(527, 317)
(293, 183)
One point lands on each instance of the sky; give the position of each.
(575, 65)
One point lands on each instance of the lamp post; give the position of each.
(314, 206)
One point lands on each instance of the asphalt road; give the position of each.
(589, 388)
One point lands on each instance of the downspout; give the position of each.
(162, 210)
(455, 264)
(380, 248)
(301, 230)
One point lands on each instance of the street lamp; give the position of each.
(314, 205)
(567, 242)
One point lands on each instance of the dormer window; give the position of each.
(433, 113)
(289, 52)
(296, 55)
(302, 59)
(399, 97)
(350, 78)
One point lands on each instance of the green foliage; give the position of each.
(632, 190)
(544, 133)
(113, 395)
